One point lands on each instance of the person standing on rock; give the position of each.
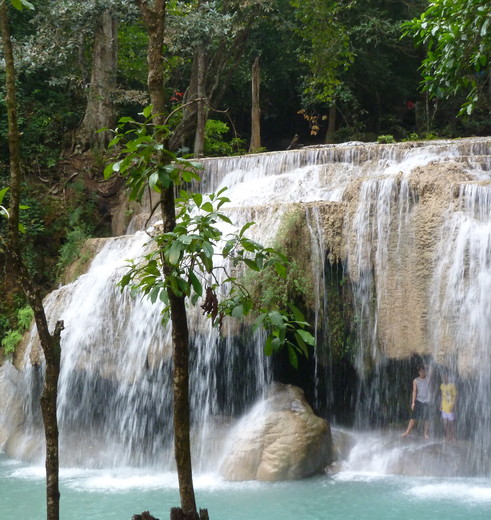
(420, 403)
(447, 407)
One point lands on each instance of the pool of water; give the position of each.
(118, 494)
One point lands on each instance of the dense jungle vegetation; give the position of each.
(330, 71)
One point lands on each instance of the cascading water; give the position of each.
(400, 232)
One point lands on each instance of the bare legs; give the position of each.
(410, 426)
(412, 423)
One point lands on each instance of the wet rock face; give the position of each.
(280, 439)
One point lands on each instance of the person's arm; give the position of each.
(415, 393)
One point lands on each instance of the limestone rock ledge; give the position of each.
(280, 439)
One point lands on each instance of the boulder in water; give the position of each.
(280, 439)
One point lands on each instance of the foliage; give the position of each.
(296, 285)
(386, 139)
(71, 249)
(21, 4)
(13, 337)
(196, 259)
(457, 37)
(216, 145)
(327, 51)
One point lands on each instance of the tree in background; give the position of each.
(457, 38)
(326, 53)
(77, 41)
(213, 36)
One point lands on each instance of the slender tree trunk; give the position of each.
(255, 110)
(100, 111)
(186, 128)
(13, 129)
(199, 140)
(49, 343)
(489, 86)
(180, 381)
(154, 17)
(331, 125)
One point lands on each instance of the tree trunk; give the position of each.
(154, 17)
(220, 70)
(255, 110)
(50, 344)
(100, 111)
(199, 140)
(180, 379)
(331, 125)
(13, 128)
(187, 126)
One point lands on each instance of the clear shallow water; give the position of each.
(107, 495)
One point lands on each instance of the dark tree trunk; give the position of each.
(331, 125)
(180, 377)
(199, 140)
(255, 110)
(13, 128)
(100, 111)
(154, 17)
(219, 71)
(49, 343)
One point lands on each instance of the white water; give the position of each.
(114, 405)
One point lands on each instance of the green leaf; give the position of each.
(277, 319)
(198, 199)
(208, 249)
(280, 269)
(292, 356)
(297, 313)
(198, 288)
(238, 311)
(276, 344)
(223, 217)
(147, 111)
(268, 347)
(153, 181)
(174, 253)
(245, 227)
(208, 207)
(21, 4)
(228, 247)
(108, 171)
(2, 194)
(154, 293)
(251, 264)
(306, 336)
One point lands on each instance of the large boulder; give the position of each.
(280, 439)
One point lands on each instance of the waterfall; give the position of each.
(398, 242)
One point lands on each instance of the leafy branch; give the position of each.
(197, 259)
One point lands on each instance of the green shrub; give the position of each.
(215, 143)
(14, 336)
(10, 342)
(71, 249)
(386, 139)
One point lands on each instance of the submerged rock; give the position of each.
(280, 439)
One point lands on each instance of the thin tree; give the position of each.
(154, 18)
(255, 110)
(50, 343)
